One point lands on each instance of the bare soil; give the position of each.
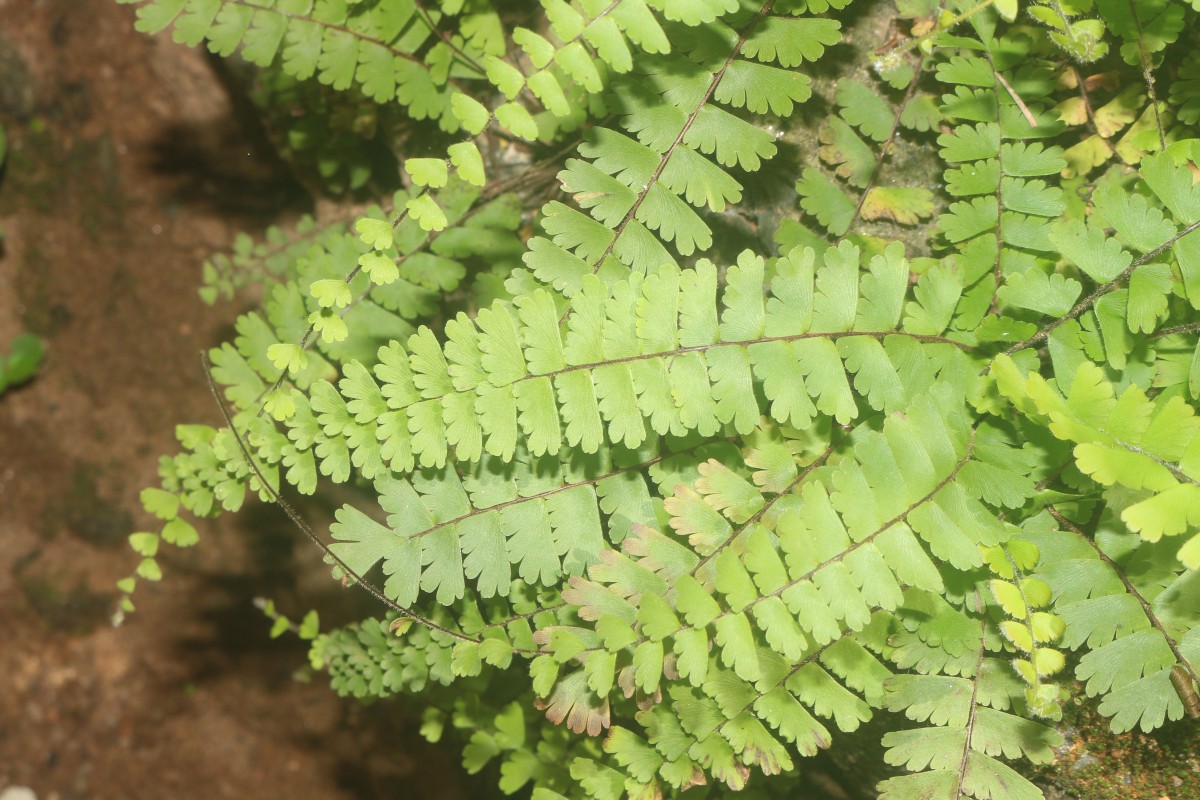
(129, 164)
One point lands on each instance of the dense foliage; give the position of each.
(667, 479)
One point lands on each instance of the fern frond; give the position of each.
(369, 660)
(1147, 448)
(1133, 294)
(567, 72)
(641, 188)
(972, 726)
(651, 355)
(371, 46)
(998, 172)
(500, 514)
(1029, 629)
(1109, 590)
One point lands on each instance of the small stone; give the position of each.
(1086, 760)
(17, 793)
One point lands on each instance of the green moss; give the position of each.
(1096, 764)
(64, 604)
(85, 514)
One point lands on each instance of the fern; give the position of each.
(1030, 630)
(369, 45)
(1141, 448)
(1127, 615)
(646, 184)
(835, 560)
(707, 517)
(971, 725)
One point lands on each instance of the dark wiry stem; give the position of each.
(307, 529)
(962, 764)
(1147, 75)
(1147, 609)
(1087, 302)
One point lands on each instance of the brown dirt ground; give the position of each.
(127, 166)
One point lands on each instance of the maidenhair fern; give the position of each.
(653, 508)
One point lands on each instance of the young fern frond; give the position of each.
(1030, 628)
(1148, 451)
(972, 724)
(1122, 604)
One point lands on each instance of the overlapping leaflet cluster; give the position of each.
(649, 518)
